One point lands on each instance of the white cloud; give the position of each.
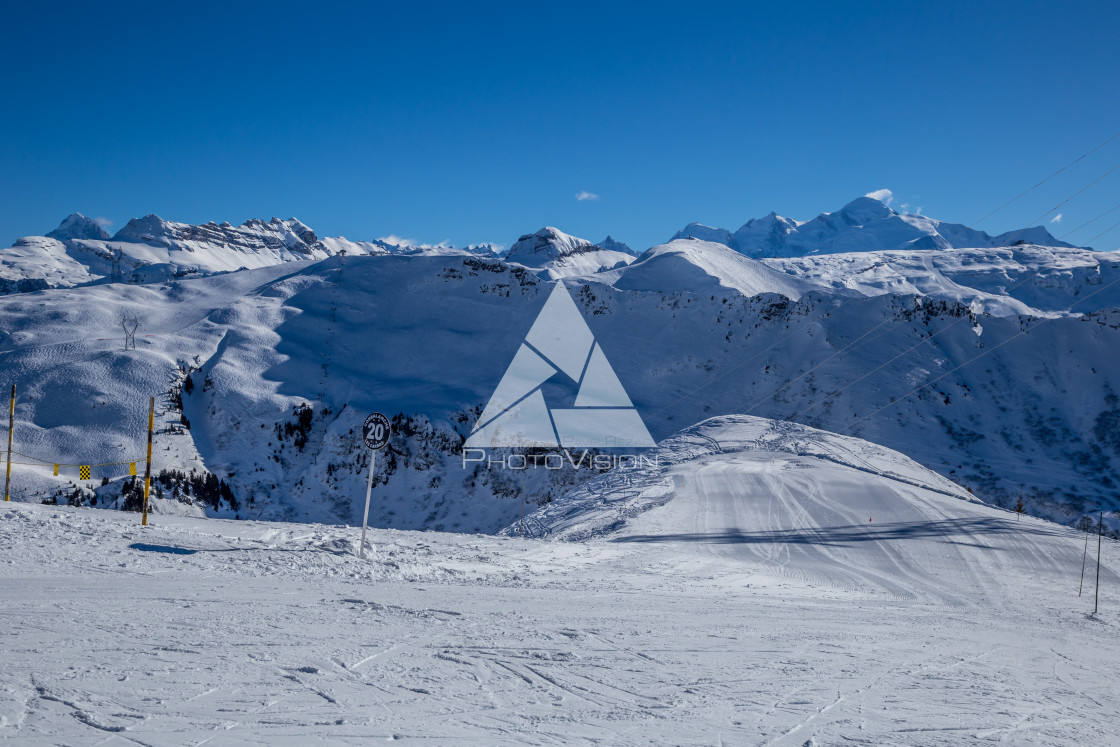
(583, 194)
(103, 222)
(882, 195)
(904, 206)
(1057, 218)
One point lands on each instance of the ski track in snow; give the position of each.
(718, 616)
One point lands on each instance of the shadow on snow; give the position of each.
(144, 547)
(955, 531)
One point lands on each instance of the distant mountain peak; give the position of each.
(868, 208)
(557, 254)
(614, 246)
(78, 226)
(704, 233)
(866, 223)
(550, 243)
(152, 248)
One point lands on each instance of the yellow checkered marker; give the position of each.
(83, 472)
(132, 468)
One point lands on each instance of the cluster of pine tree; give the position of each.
(179, 387)
(187, 487)
(76, 497)
(132, 495)
(301, 429)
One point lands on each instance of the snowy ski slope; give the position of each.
(749, 601)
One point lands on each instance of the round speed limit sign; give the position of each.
(375, 431)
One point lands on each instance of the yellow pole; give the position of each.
(11, 425)
(148, 469)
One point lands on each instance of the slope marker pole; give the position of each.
(1084, 553)
(148, 468)
(365, 514)
(521, 526)
(1100, 530)
(11, 425)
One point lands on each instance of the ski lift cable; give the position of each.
(1075, 194)
(976, 358)
(822, 363)
(770, 347)
(1023, 194)
(775, 344)
(727, 373)
(1026, 277)
(880, 367)
(1102, 233)
(1094, 220)
(907, 351)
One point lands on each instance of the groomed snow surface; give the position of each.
(764, 584)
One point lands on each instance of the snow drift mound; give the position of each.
(780, 504)
(705, 266)
(607, 506)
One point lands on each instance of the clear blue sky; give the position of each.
(478, 122)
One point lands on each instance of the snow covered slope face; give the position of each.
(1029, 404)
(286, 361)
(555, 254)
(864, 224)
(1024, 279)
(38, 262)
(264, 377)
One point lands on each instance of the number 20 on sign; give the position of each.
(375, 433)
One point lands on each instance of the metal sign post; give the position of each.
(375, 434)
(11, 427)
(148, 469)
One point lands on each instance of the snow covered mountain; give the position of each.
(866, 224)
(705, 266)
(77, 226)
(614, 246)
(1023, 279)
(253, 236)
(284, 362)
(992, 366)
(555, 254)
(152, 249)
